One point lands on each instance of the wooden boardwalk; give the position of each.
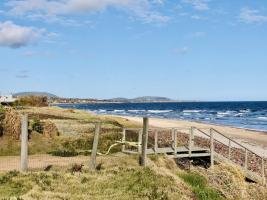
(192, 150)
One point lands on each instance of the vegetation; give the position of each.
(118, 175)
(200, 187)
(36, 101)
(37, 125)
(122, 179)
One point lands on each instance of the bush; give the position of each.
(37, 125)
(36, 101)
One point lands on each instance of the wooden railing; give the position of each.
(210, 134)
(239, 146)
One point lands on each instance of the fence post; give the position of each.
(92, 163)
(24, 143)
(192, 136)
(263, 171)
(175, 142)
(140, 142)
(190, 141)
(246, 159)
(144, 141)
(156, 141)
(229, 150)
(123, 139)
(211, 148)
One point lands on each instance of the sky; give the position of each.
(209, 50)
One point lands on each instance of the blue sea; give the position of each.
(249, 115)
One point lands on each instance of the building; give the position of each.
(7, 99)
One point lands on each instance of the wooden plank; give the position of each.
(229, 150)
(92, 163)
(246, 159)
(190, 142)
(186, 155)
(156, 141)
(263, 171)
(211, 148)
(123, 139)
(144, 141)
(175, 142)
(24, 143)
(140, 141)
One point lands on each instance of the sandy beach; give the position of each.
(254, 140)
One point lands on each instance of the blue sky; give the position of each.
(182, 49)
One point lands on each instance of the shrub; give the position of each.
(37, 125)
(36, 101)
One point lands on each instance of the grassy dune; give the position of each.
(118, 175)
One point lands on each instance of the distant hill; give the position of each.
(141, 99)
(46, 94)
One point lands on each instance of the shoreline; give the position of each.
(252, 139)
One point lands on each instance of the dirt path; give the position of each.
(8, 163)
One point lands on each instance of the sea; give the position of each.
(249, 115)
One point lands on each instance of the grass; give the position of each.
(200, 187)
(119, 178)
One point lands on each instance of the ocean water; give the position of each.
(250, 115)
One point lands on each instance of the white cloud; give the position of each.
(182, 50)
(197, 34)
(15, 36)
(198, 4)
(248, 15)
(54, 9)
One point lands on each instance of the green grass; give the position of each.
(200, 187)
(119, 181)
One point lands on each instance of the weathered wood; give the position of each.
(172, 133)
(229, 150)
(123, 139)
(246, 159)
(144, 141)
(24, 143)
(263, 171)
(211, 148)
(190, 142)
(192, 136)
(156, 141)
(175, 142)
(92, 163)
(140, 141)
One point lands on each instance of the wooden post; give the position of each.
(211, 148)
(263, 171)
(175, 142)
(229, 150)
(156, 141)
(24, 143)
(190, 142)
(123, 139)
(144, 141)
(140, 142)
(192, 136)
(173, 138)
(92, 163)
(246, 159)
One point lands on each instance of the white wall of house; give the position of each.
(7, 99)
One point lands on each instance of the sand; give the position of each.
(253, 140)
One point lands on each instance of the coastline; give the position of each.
(252, 139)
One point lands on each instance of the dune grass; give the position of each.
(200, 187)
(122, 179)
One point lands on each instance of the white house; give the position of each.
(7, 99)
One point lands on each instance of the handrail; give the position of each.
(236, 142)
